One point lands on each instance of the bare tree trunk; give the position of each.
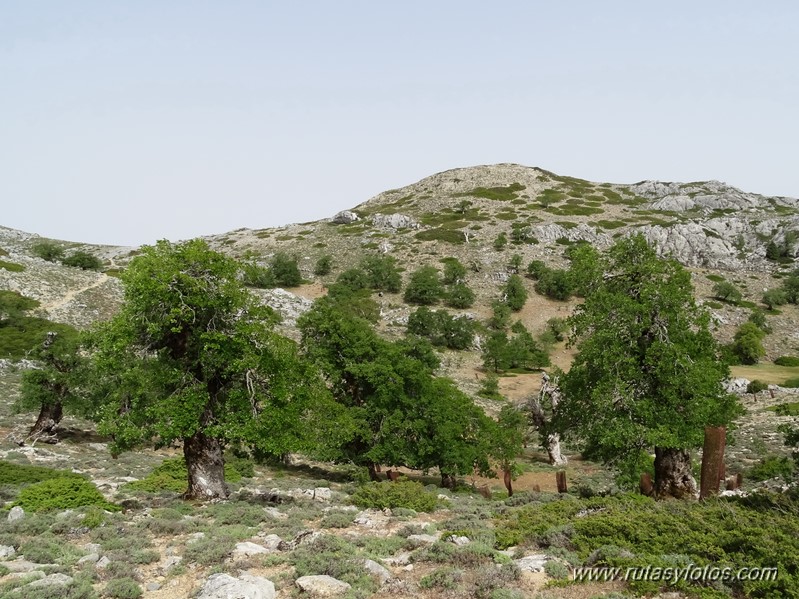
(206, 467)
(550, 441)
(673, 477)
(712, 460)
(373, 472)
(49, 417)
(508, 479)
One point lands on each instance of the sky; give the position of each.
(129, 122)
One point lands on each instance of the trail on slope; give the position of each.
(72, 294)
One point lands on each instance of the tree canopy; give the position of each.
(647, 372)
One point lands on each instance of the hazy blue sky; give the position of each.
(126, 122)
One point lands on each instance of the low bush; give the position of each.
(48, 250)
(172, 475)
(11, 266)
(402, 493)
(772, 466)
(442, 578)
(122, 588)
(83, 260)
(791, 383)
(62, 493)
(16, 474)
(787, 361)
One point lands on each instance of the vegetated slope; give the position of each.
(713, 228)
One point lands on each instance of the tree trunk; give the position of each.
(553, 450)
(206, 467)
(550, 440)
(448, 481)
(373, 472)
(49, 417)
(673, 476)
(508, 480)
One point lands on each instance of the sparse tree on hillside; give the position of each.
(454, 271)
(747, 344)
(48, 250)
(514, 293)
(285, 270)
(647, 373)
(459, 296)
(83, 260)
(192, 358)
(323, 266)
(424, 287)
(726, 291)
(382, 272)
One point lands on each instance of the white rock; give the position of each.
(91, 558)
(224, 586)
(249, 549)
(401, 559)
(275, 513)
(423, 538)
(16, 513)
(102, 563)
(7, 551)
(378, 571)
(394, 221)
(458, 540)
(322, 585)
(532, 563)
(51, 580)
(322, 494)
(345, 217)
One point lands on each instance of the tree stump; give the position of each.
(712, 460)
(560, 479)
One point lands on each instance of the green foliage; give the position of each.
(11, 266)
(424, 287)
(631, 530)
(514, 293)
(62, 493)
(555, 331)
(285, 270)
(551, 282)
(500, 242)
(647, 372)
(756, 386)
(791, 383)
(48, 250)
(333, 556)
(772, 466)
(447, 578)
(192, 356)
(171, 475)
(500, 316)
(747, 345)
(441, 234)
(520, 350)
(787, 361)
(323, 266)
(122, 588)
(504, 193)
(382, 273)
(515, 263)
(459, 296)
(774, 298)
(489, 388)
(257, 276)
(758, 318)
(22, 335)
(726, 291)
(790, 408)
(454, 271)
(16, 474)
(83, 260)
(400, 494)
(441, 329)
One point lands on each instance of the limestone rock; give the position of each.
(224, 586)
(345, 217)
(16, 513)
(460, 541)
(91, 558)
(322, 585)
(51, 580)
(275, 513)
(304, 538)
(394, 221)
(249, 549)
(425, 539)
(102, 563)
(7, 551)
(532, 563)
(378, 571)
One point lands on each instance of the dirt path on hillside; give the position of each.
(72, 294)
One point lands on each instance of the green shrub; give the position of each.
(172, 475)
(122, 588)
(209, 550)
(332, 556)
(259, 277)
(787, 361)
(442, 578)
(441, 234)
(48, 250)
(504, 193)
(285, 270)
(424, 287)
(49, 549)
(500, 242)
(323, 266)
(16, 474)
(62, 493)
(772, 466)
(11, 266)
(83, 260)
(459, 296)
(791, 383)
(403, 493)
(786, 409)
(555, 569)
(337, 520)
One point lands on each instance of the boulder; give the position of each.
(7, 551)
(224, 586)
(16, 513)
(394, 221)
(532, 563)
(345, 217)
(380, 572)
(51, 580)
(322, 585)
(248, 549)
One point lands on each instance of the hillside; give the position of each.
(289, 519)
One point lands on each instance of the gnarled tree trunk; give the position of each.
(373, 472)
(508, 480)
(551, 441)
(49, 417)
(673, 477)
(206, 467)
(448, 481)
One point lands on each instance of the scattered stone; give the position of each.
(92, 548)
(394, 221)
(7, 551)
(271, 542)
(322, 585)
(322, 494)
(345, 217)
(102, 563)
(195, 536)
(51, 580)
(16, 513)
(303, 538)
(275, 513)
(152, 586)
(372, 518)
(427, 539)
(166, 565)
(458, 540)
(22, 565)
(249, 549)
(91, 558)
(401, 559)
(225, 586)
(532, 563)
(378, 571)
